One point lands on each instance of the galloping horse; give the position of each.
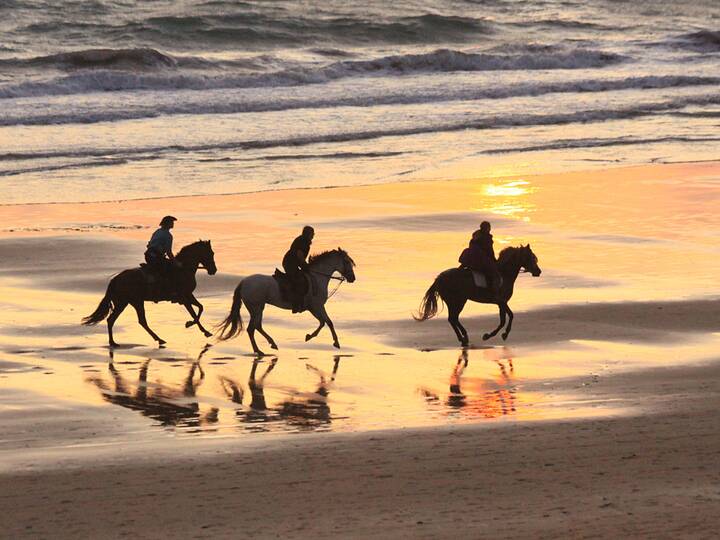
(456, 286)
(258, 290)
(130, 287)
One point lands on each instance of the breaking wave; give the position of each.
(444, 60)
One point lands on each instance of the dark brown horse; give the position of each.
(131, 287)
(456, 286)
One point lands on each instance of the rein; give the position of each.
(330, 276)
(341, 279)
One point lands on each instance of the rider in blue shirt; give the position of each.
(159, 249)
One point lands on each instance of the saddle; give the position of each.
(158, 287)
(480, 279)
(287, 289)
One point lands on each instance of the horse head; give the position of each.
(201, 254)
(529, 261)
(348, 265)
(336, 260)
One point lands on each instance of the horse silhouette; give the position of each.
(456, 286)
(130, 287)
(258, 290)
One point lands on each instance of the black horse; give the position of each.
(131, 287)
(456, 286)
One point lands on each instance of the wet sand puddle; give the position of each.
(218, 392)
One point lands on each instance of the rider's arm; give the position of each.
(301, 259)
(168, 247)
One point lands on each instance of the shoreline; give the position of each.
(609, 167)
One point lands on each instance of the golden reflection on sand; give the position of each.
(625, 235)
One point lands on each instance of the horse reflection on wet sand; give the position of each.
(305, 411)
(170, 406)
(257, 413)
(485, 403)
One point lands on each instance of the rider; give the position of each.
(294, 263)
(480, 256)
(159, 255)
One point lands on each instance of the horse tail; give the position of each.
(102, 310)
(429, 305)
(232, 325)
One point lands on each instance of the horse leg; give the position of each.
(117, 310)
(140, 309)
(331, 326)
(506, 333)
(321, 315)
(454, 310)
(251, 328)
(501, 307)
(321, 320)
(260, 329)
(196, 318)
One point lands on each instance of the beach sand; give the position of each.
(596, 419)
(653, 475)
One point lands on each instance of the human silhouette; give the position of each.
(158, 254)
(295, 265)
(480, 256)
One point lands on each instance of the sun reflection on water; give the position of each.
(509, 199)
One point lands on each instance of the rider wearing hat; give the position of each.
(159, 248)
(159, 256)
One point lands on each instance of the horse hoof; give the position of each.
(189, 324)
(504, 336)
(273, 346)
(161, 342)
(308, 337)
(486, 337)
(336, 345)
(208, 334)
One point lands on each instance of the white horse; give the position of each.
(258, 290)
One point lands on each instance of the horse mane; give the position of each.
(186, 249)
(508, 253)
(320, 257)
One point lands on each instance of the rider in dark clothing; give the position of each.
(294, 263)
(480, 256)
(158, 255)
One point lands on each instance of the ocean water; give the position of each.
(107, 100)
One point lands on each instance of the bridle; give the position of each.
(340, 280)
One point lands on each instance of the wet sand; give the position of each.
(596, 419)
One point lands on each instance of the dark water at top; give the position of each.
(217, 80)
